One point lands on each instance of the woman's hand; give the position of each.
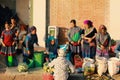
(28, 52)
(102, 47)
(13, 43)
(89, 40)
(71, 42)
(79, 42)
(3, 44)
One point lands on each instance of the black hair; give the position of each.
(73, 21)
(13, 18)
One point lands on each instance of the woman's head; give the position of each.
(88, 23)
(102, 29)
(73, 23)
(52, 40)
(13, 21)
(7, 26)
(33, 30)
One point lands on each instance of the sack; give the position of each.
(89, 69)
(22, 67)
(87, 60)
(88, 66)
(113, 66)
(78, 61)
(47, 76)
(101, 65)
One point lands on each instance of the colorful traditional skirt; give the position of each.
(102, 53)
(87, 50)
(75, 48)
(8, 51)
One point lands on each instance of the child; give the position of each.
(28, 43)
(103, 40)
(7, 40)
(61, 65)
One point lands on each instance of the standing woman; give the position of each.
(103, 40)
(7, 40)
(74, 37)
(88, 40)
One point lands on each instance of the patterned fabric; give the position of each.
(61, 66)
(30, 40)
(8, 51)
(72, 32)
(7, 38)
(104, 40)
(87, 49)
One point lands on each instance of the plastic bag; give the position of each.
(88, 66)
(87, 60)
(113, 66)
(22, 67)
(101, 65)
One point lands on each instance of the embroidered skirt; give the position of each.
(8, 51)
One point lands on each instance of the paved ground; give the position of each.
(37, 74)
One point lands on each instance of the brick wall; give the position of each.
(62, 11)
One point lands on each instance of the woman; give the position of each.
(88, 40)
(103, 40)
(29, 42)
(74, 37)
(52, 46)
(7, 40)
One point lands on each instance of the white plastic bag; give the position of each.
(113, 66)
(101, 65)
(88, 66)
(87, 61)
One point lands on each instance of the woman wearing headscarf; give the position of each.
(74, 37)
(52, 46)
(88, 40)
(28, 43)
(103, 40)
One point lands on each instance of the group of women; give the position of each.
(88, 42)
(16, 39)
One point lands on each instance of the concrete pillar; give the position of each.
(39, 19)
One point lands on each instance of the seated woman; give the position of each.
(103, 40)
(52, 45)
